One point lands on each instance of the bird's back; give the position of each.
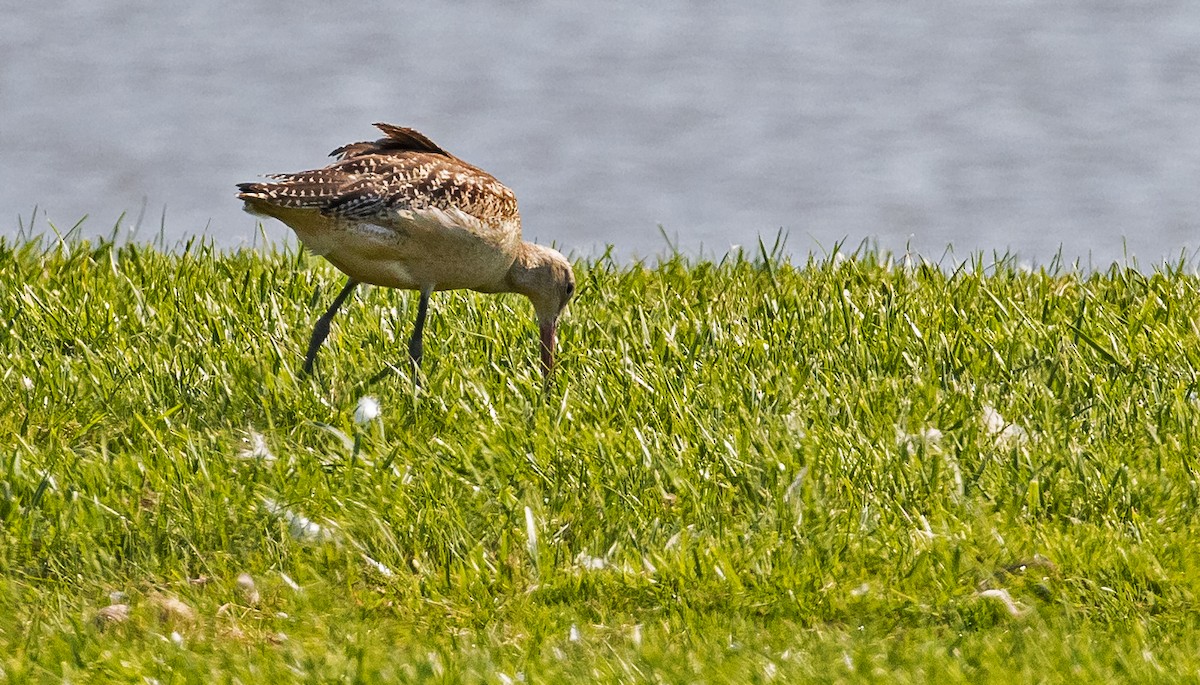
(399, 211)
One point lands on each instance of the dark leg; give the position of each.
(321, 331)
(415, 346)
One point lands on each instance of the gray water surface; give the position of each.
(1007, 125)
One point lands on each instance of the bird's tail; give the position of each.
(310, 190)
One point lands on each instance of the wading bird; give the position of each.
(401, 212)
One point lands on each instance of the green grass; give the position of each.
(745, 471)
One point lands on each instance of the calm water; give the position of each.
(984, 125)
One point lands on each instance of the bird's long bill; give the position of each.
(549, 331)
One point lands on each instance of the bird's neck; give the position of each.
(520, 276)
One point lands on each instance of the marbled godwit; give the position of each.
(401, 212)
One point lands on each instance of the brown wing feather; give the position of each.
(372, 186)
(399, 139)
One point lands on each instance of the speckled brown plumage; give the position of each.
(374, 179)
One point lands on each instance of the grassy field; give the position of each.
(845, 470)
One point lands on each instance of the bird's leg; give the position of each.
(415, 346)
(321, 330)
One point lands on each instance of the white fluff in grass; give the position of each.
(925, 532)
(1015, 610)
(287, 580)
(793, 490)
(588, 562)
(248, 588)
(367, 410)
(378, 566)
(300, 526)
(256, 449)
(1004, 432)
(930, 437)
(673, 541)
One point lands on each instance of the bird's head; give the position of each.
(545, 277)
